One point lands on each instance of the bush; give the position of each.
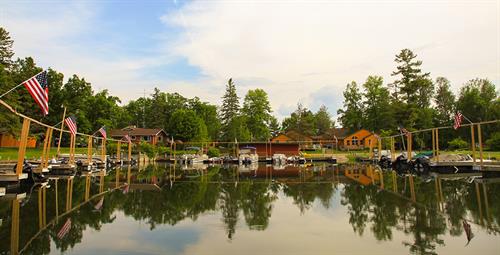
(494, 142)
(213, 152)
(457, 144)
(148, 149)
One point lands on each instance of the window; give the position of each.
(146, 138)
(354, 140)
(133, 137)
(160, 138)
(348, 142)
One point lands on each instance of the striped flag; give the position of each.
(127, 138)
(39, 90)
(404, 131)
(102, 130)
(71, 123)
(65, 229)
(457, 120)
(99, 204)
(126, 189)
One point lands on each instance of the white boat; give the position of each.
(279, 159)
(248, 155)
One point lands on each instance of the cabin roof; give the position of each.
(137, 131)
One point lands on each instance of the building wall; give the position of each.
(356, 140)
(7, 140)
(289, 149)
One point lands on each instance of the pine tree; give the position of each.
(6, 52)
(230, 108)
(445, 102)
(352, 113)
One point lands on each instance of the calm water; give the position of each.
(321, 209)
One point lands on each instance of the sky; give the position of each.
(297, 51)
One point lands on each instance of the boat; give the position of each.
(279, 159)
(248, 155)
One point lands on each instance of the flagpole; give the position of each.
(60, 133)
(17, 86)
(467, 119)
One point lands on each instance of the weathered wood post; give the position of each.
(409, 145)
(69, 193)
(103, 150)
(89, 149)
(87, 187)
(473, 143)
(412, 188)
(433, 142)
(22, 147)
(14, 229)
(394, 181)
(379, 141)
(118, 151)
(60, 134)
(57, 197)
(480, 141)
(437, 145)
(130, 153)
(393, 149)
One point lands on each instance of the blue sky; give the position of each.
(301, 51)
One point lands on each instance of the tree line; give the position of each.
(186, 119)
(415, 101)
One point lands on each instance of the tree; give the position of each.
(230, 107)
(476, 100)
(238, 130)
(445, 102)
(411, 92)
(351, 116)
(323, 120)
(301, 120)
(208, 113)
(257, 111)
(187, 126)
(6, 52)
(376, 105)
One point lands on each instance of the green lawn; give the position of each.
(34, 153)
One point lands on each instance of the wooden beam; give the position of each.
(103, 150)
(437, 145)
(379, 141)
(22, 146)
(118, 150)
(130, 153)
(89, 149)
(480, 140)
(473, 143)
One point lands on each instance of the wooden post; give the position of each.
(89, 149)
(433, 142)
(118, 150)
(175, 152)
(22, 146)
(14, 229)
(479, 205)
(49, 146)
(473, 143)
(71, 150)
(479, 138)
(130, 153)
(60, 134)
(379, 141)
(57, 197)
(103, 150)
(394, 181)
(393, 149)
(412, 188)
(44, 151)
(437, 145)
(409, 141)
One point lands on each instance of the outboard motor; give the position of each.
(385, 162)
(401, 165)
(32, 176)
(421, 165)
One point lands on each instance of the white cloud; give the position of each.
(295, 50)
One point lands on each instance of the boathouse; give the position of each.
(151, 135)
(268, 149)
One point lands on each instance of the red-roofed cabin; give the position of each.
(269, 149)
(153, 136)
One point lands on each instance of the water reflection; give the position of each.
(422, 214)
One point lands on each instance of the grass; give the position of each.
(34, 153)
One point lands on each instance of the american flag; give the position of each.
(457, 120)
(127, 138)
(403, 130)
(102, 130)
(39, 90)
(71, 123)
(65, 229)
(99, 204)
